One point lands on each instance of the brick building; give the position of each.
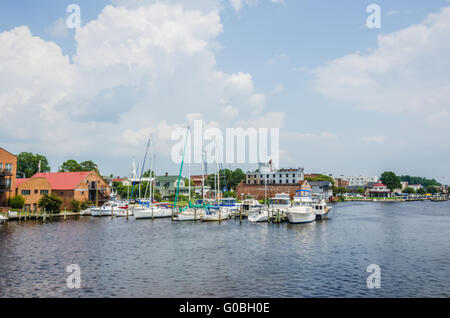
(8, 171)
(257, 191)
(69, 186)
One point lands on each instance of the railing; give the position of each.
(6, 173)
(5, 188)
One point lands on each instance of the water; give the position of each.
(119, 258)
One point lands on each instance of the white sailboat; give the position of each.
(302, 210)
(2, 219)
(260, 213)
(116, 208)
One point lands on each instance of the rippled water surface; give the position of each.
(120, 258)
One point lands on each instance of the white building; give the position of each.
(360, 181)
(273, 176)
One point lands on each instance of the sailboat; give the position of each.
(259, 214)
(191, 212)
(148, 210)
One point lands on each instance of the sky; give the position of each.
(348, 99)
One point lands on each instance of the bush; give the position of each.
(75, 206)
(17, 202)
(51, 203)
(86, 204)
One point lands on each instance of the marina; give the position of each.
(161, 258)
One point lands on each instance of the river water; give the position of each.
(409, 241)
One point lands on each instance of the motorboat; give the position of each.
(249, 206)
(152, 212)
(302, 209)
(321, 208)
(112, 207)
(262, 215)
(280, 203)
(215, 215)
(2, 219)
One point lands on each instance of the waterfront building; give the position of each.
(359, 181)
(277, 181)
(416, 187)
(69, 186)
(322, 188)
(266, 172)
(380, 190)
(198, 180)
(8, 171)
(341, 183)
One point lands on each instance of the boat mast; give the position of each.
(181, 169)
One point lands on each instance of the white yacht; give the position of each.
(215, 216)
(250, 205)
(117, 208)
(152, 212)
(279, 204)
(191, 214)
(2, 219)
(321, 208)
(302, 209)
(262, 215)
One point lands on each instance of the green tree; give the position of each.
(51, 203)
(409, 190)
(70, 166)
(341, 190)
(88, 166)
(421, 191)
(431, 189)
(147, 174)
(424, 182)
(361, 191)
(391, 180)
(28, 164)
(17, 202)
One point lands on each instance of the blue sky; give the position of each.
(282, 46)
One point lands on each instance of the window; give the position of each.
(8, 183)
(1, 166)
(36, 191)
(43, 192)
(26, 192)
(8, 167)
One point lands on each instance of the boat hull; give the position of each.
(323, 216)
(301, 215)
(188, 217)
(258, 217)
(152, 214)
(216, 217)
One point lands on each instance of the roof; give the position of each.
(379, 185)
(320, 183)
(20, 181)
(8, 152)
(63, 180)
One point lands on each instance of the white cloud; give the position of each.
(59, 29)
(137, 70)
(407, 73)
(374, 139)
(279, 88)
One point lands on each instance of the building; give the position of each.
(198, 180)
(266, 173)
(341, 183)
(416, 187)
(167, 185)
(258, 191)
(69, 186)
(8, 172)
(360, 181)
(322, 188)
(380, 190)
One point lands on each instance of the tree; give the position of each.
(73, 166)
(75, 206)
(431, 189)
(51, 203)
(28, 164)
(421, 191)
(341, 190)
(147, 174)
(424, 182)
(88, 166)
(17, 202)
(391, 180)
(361, 191)
(409, 190)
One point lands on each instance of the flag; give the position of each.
(39, 166)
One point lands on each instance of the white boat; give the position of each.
(250, 205)
(280, 203)
(321, 209)
(117, 208)
(153, 212)
(215, 216)
(189, 215)
(302, 210)
(262, 215)
(2, 219)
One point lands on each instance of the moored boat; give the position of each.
(321, 209)
(2, 219)
(262, 215)
(301, 211)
